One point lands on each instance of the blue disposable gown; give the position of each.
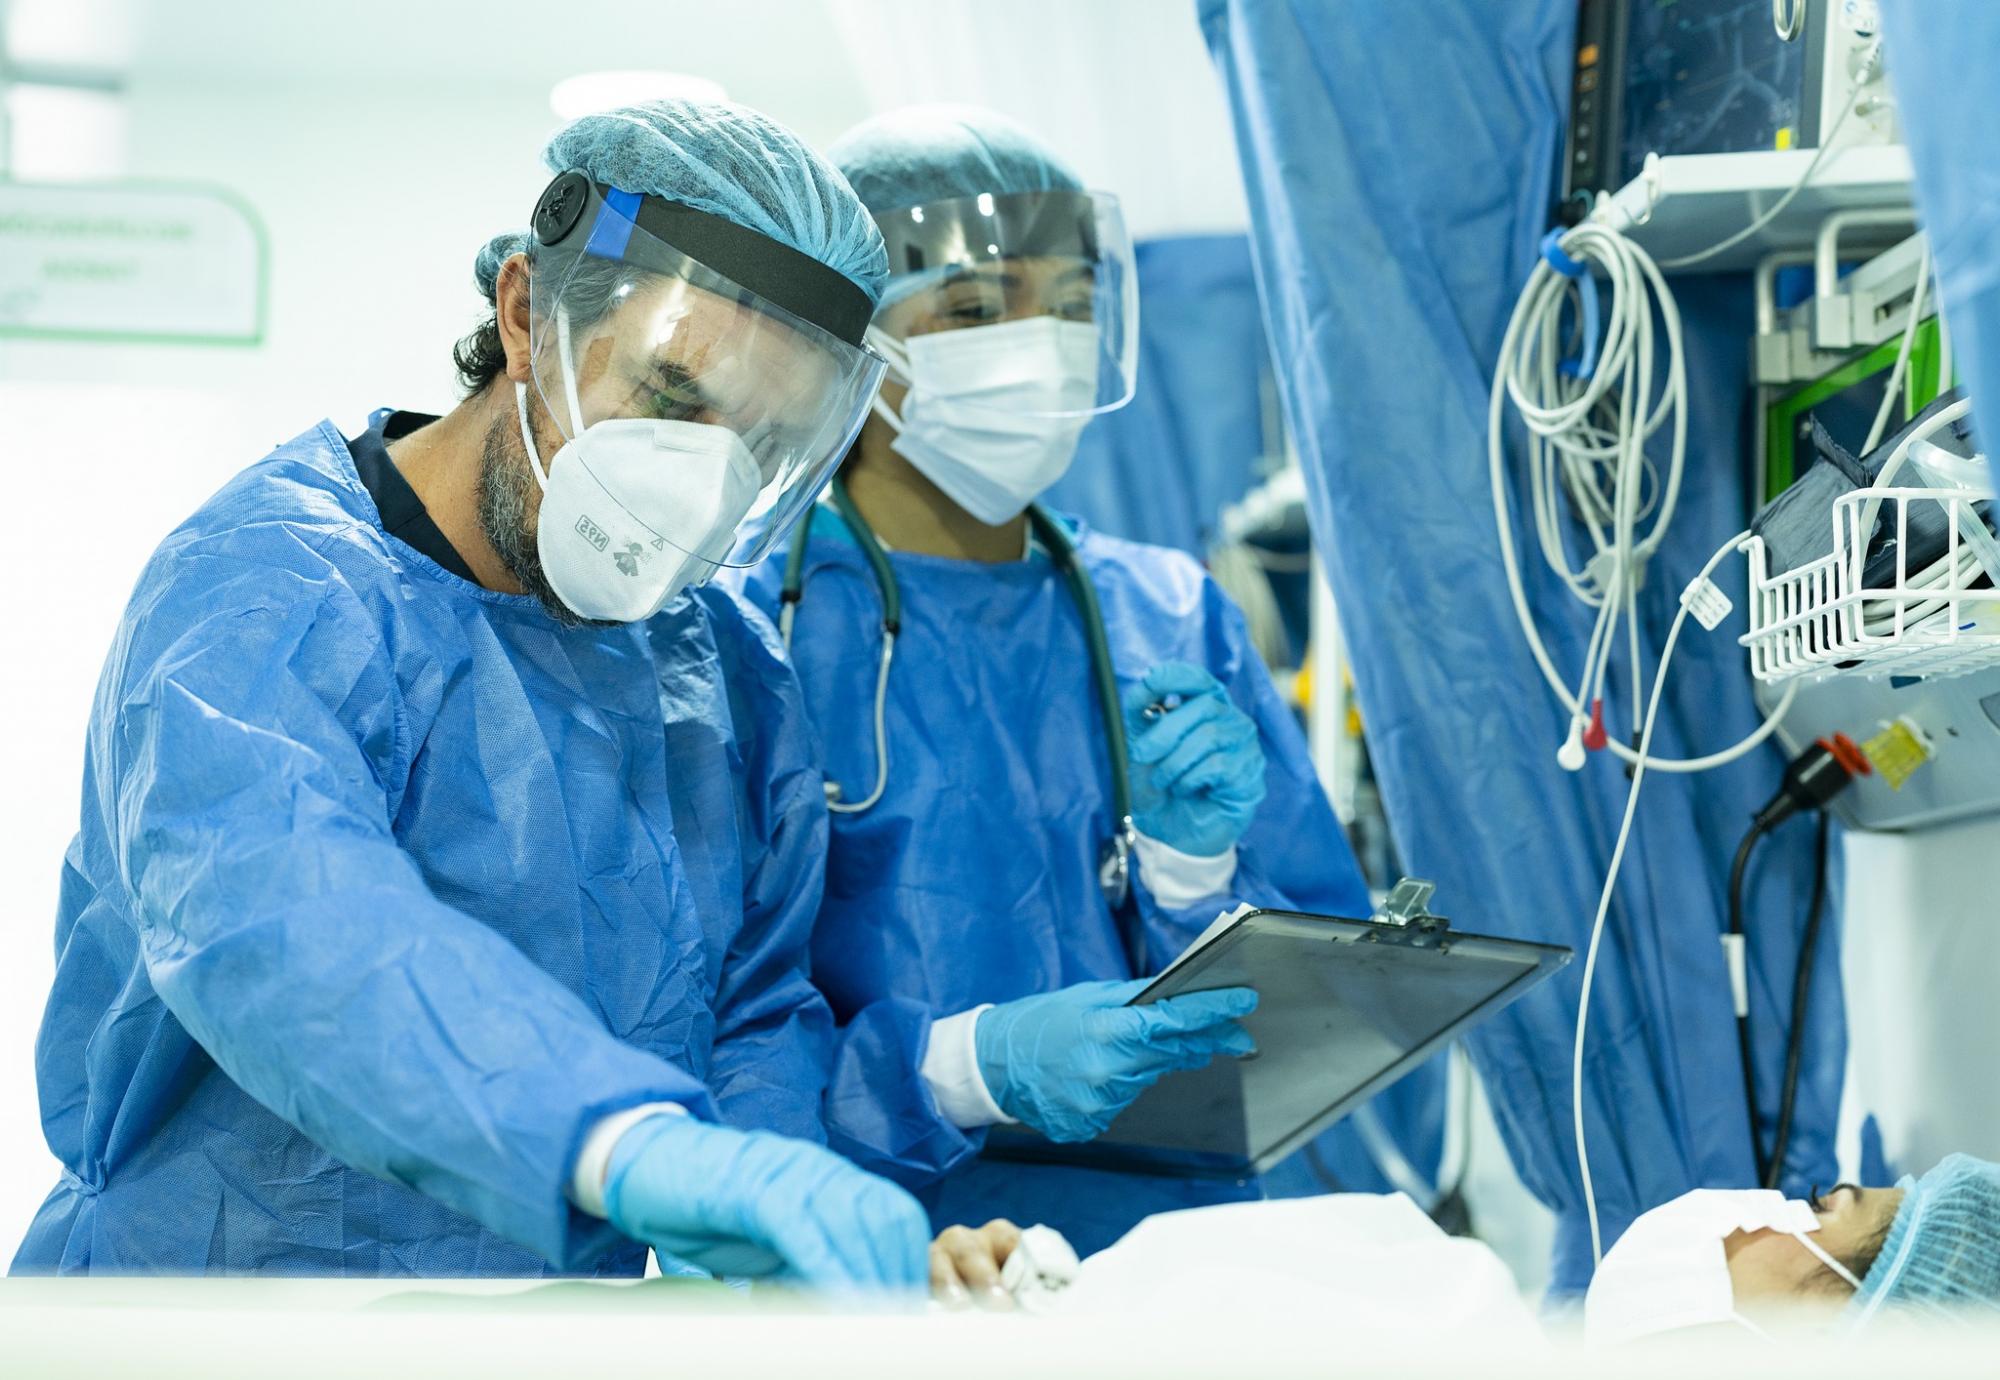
(974, 879)
(388, 886)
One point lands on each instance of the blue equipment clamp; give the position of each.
(1584, 363)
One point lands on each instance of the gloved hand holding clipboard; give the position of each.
(1346, 1007)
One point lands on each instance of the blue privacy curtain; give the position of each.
(1162, 468)
(1400, 162)
(1941, 56)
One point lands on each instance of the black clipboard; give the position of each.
(1346, 1007)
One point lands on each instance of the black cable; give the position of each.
(1811, 780)
(1740, 959)
(1801, 992)
(1453, 1212)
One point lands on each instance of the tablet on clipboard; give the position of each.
(1346, 1007)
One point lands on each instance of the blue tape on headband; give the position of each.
(615, 222)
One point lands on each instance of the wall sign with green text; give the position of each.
(150, 262)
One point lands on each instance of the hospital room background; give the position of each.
(1281, 177)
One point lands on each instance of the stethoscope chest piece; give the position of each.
(1114, 866)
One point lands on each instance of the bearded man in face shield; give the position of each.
(448, 852)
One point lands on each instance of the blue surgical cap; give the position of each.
(926, 153)
(1942, 1254)
(724, 159)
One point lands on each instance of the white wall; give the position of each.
(375, 207)
(1920, 959)
(1122, 88)
(93, 474)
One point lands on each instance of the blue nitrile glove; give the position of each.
(1198, 768)
(753, 1203)
(1067, 1062)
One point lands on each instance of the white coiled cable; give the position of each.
(1587, 438)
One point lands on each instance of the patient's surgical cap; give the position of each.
(926, 153)
(1942, 1254)
(724, 159)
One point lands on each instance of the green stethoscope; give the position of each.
(1114, 870)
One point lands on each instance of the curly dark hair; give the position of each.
(479, 357)
(588, 290)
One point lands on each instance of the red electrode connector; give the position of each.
(1593, 736)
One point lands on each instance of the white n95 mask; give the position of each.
(634, 510)
(1670, 1270)
(993, 413)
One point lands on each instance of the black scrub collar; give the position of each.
(403, 515)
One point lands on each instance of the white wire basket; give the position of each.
(1823, 618)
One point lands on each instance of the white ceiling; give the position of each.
(1122, 87)
(91, 34)
(751, 46)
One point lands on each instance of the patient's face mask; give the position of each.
(1670, 1271)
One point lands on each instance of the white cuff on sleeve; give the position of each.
(1176, 879)
(586, 1181)
(951, 1071)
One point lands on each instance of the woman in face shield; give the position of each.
(1052, 756)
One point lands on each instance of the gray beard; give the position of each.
(508, 499)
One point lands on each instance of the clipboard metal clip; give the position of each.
(1408, 903)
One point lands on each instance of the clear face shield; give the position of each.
(704, 381)
(1025, 304)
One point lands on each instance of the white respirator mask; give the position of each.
(635, 510)
(1670, 1269)
(993, 413)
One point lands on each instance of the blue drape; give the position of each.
(1949, 103)
(1162, 468)
(1399, 160)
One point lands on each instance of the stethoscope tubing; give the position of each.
(1115, 868)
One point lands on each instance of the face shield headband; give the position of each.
(582, 217)
(718, 330)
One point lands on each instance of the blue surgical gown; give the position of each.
(975, 878)
(388, 886)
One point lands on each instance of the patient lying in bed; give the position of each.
(1927, 1249)
(1377, 1268)
(1366, 1265)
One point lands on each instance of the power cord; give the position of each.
(1811, 780)
(1642, 760)
(1805, 179)
(1864, 73)
(1899, 375)
(1795, 1041)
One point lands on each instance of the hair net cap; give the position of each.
(727, 160)
(1942, 1254)
(499, 249)
(926, 153)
